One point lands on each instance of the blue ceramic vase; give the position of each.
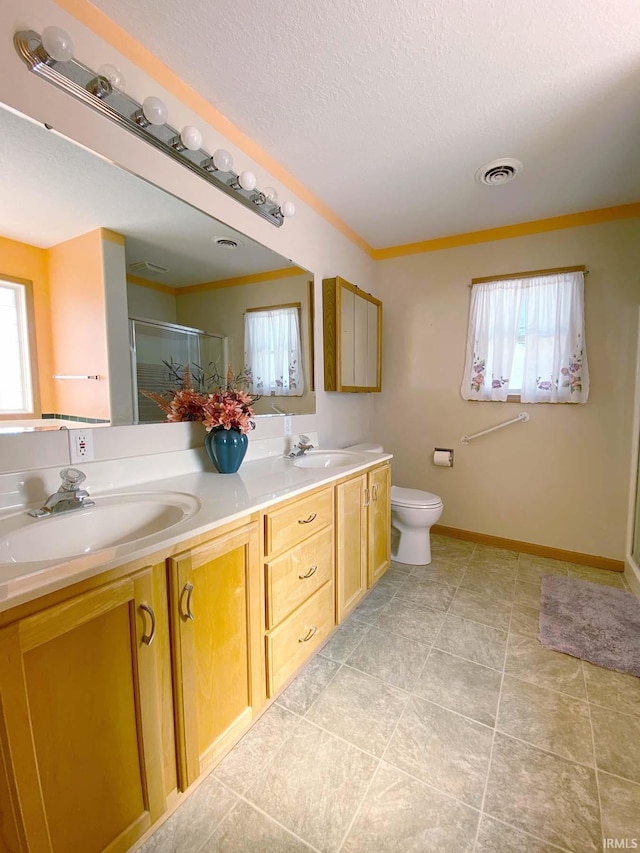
(226, 449)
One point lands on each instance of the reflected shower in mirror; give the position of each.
(87, 247)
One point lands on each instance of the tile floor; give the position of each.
(433, 720)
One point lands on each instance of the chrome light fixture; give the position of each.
(50, 56)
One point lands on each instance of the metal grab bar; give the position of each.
(523, 416)
(68, 376)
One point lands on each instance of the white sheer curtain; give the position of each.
(273, 352)
(526, 337)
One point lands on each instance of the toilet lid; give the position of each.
(413, 497)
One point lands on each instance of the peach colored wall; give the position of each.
(223, 311)
(76, 282)
(560, 480)
(21, 260)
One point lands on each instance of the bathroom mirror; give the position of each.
(96, 246)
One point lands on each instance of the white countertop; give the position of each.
(224, 498)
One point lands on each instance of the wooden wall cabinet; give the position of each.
(363, 519)
(352, 324)
(81, 720)
(215, 614)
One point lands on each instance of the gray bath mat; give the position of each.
(592, 622)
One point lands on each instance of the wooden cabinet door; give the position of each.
(379, 523)
(216, 620)
(374, 346)
(347, 346)
(360, 343)
(81, 720)
(351, 543)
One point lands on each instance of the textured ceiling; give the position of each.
(384, 109)
(53, 190)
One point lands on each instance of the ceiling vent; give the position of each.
(498, 172)
(226, 242)
(146, 268)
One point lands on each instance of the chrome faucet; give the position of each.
(301, 447)
(69, 496)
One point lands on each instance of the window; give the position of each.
(16, 391)
(272, 350)
(526, 339)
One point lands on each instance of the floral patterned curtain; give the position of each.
(526, 337)
(273, 352)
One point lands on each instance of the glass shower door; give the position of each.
(635, 544)
(153, 345)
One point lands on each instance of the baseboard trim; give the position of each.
(531, 548)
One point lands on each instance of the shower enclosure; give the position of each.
(152, 344)
(633, 523)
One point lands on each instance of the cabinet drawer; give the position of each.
(285, 527)
(287, 647)
(297, 574)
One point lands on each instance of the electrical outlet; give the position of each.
(287, 425)
(80, 445)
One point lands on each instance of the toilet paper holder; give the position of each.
(443, 457)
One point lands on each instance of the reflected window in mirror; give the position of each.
(17, 379)
(273, 350)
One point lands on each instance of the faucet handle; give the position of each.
(71, 478)
(303, 440)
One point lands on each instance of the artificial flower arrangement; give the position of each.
(197, 396)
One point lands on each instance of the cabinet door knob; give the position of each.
(311, 572)
(366, 497)
(308, 520)
(374, 491)
(147, 639)
(188, 612)
(312, 630)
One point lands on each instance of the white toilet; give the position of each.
(413, 513)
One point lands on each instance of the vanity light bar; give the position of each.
(97, 91)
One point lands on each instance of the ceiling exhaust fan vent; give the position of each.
(147, 268)
(498, 172)
(226, 242)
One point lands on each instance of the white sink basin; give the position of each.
(114, 520)
(329, 459)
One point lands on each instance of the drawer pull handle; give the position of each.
(147, 639)
(311, 518)
(188, 614)
(366, 497)
(309, 574)
(312, 630)
(374, 491)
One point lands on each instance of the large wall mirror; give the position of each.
(103, 277)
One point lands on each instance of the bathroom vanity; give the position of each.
(126, 675)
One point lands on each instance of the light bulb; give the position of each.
(247, 180)
(154, 110)
(57, 44)
(270, 194)
(113, 75)
(191, 137)
(222, 160)
(288, 209)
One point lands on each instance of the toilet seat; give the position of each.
(413, 498)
